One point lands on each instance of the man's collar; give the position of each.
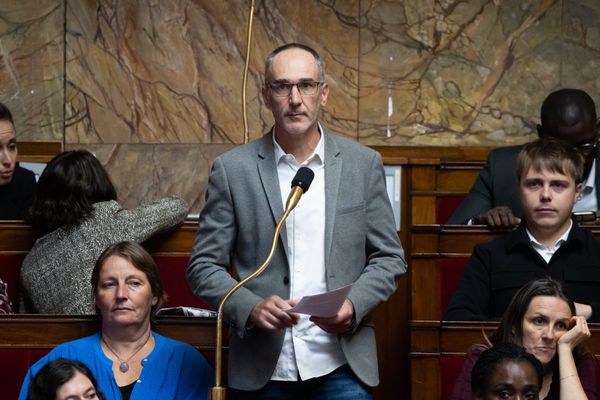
(520, 236)
(558, 242)
(591, 178)
(318, 154)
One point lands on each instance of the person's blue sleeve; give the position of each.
(196, 377)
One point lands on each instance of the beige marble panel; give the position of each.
(171, 71)
(31, 66)
(581, 47)
(449, 72)
(146, 172)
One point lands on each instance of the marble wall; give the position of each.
(153, 87)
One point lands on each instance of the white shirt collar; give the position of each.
(591, 179)
(558, 243)
(318, 155)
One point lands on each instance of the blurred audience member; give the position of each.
(16, 184)
(5, 303)
(506, 371)
(63, 379)
(76, 211)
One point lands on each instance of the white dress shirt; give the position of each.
(545, 251)
(587, 199)
(308, 351)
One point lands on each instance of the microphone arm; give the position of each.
(300, 184)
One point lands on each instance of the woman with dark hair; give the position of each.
(541, 318)
(64, 379)
(16, 183)
(76, 212)
(506, 370)
(129, 359)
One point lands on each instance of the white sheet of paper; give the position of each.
(322, 305)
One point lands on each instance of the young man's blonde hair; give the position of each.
(553, 155)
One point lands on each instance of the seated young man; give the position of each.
(546, 243)
(566, 114)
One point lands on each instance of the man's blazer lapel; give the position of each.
(597, 183)
(267, 173)
(333, 171)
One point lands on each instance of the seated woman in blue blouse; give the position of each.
(128, 359)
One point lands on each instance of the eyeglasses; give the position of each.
(284, 89)
(587, 147)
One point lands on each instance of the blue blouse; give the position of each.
(174, 370)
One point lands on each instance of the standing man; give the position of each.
(566, 114)
(341, 233)
(547, 243)
(16, 184)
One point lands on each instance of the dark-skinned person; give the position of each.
(506, 371)
(566, 114)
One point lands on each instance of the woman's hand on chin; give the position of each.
(578, 333)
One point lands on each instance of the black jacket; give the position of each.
(17, 196)
(496, 270)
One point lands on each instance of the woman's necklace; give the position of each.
(124, 366)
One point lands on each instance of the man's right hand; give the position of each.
(498, 219)
(270, 314)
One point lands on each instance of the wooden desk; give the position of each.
(29, 331)
(429, 246)
(38, 151)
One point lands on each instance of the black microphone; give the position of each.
(300, 185)
(303, 178)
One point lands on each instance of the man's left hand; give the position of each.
(339, 323)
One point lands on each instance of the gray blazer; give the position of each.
(243, 205)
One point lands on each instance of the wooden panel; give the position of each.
(458, 153)
(392, 335)
(177, 242)
(456, 182)
(425, 240)
(425, 339)
(460, 242)
(457, 337)
(15, 237)
(423, 210)
(48, 331)
(18, 237)
(424, 378)
(38, 151)
(423, 180)
(425, 289)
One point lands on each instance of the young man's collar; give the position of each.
(562, 239)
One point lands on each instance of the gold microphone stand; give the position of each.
(218, 392)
